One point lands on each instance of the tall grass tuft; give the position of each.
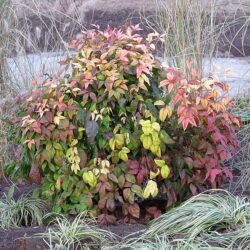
(25, 211)
(188, 29)
(211, 220)
(80, 233)
(5, 23)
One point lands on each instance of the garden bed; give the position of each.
(23, 238)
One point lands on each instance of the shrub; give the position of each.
(119, 130)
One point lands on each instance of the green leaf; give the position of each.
(130, 178)
(100, 77)
(160, 163)
(166, 138)
(121, 181)
(113, 178)
(153, 110)
(165, 171)
(65, 183)
(57, 146)
(137, 190)
(81, 116)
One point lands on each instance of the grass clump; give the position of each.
(25, 211)
(80, 233)
(202, 213)
(214, 220)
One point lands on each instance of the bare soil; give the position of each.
(23, 238)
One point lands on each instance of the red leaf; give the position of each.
(163, 83)
(154, 211)
(125, 207)
(93, 96)
(140, 176)
(189, 161)
(126, 193)
(102, 203)
(83, 157)
(212, 174)
(213, 163)
(36, 127)
(111, 205)
(30, 143)
(223, 155)
(134, 210)
(132, 164)
(35, 175)
(193, 189)
(106, 219)
(170, 87)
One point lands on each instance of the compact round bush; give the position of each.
(120, 133)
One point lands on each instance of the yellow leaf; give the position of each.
(104, 171)
(76, 89)
(151, 189)
(145, 123)
(209, 83)
(155, 149)
(119, 140)
(155, 138)
(156, 126)
(162, 114)
(73, 143)
(204, 103)
(58, 117)
(165, 112)
(58, 183)
(147, 130)
(146, 141)
(89, 178)
(169, 111)
(145, 78)
(75, 167)
(141, 84)
(112, 144)
(116, 129)
(159, 103)
(153, 174)
(123, 154)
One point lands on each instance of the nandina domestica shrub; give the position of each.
(120, 130)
